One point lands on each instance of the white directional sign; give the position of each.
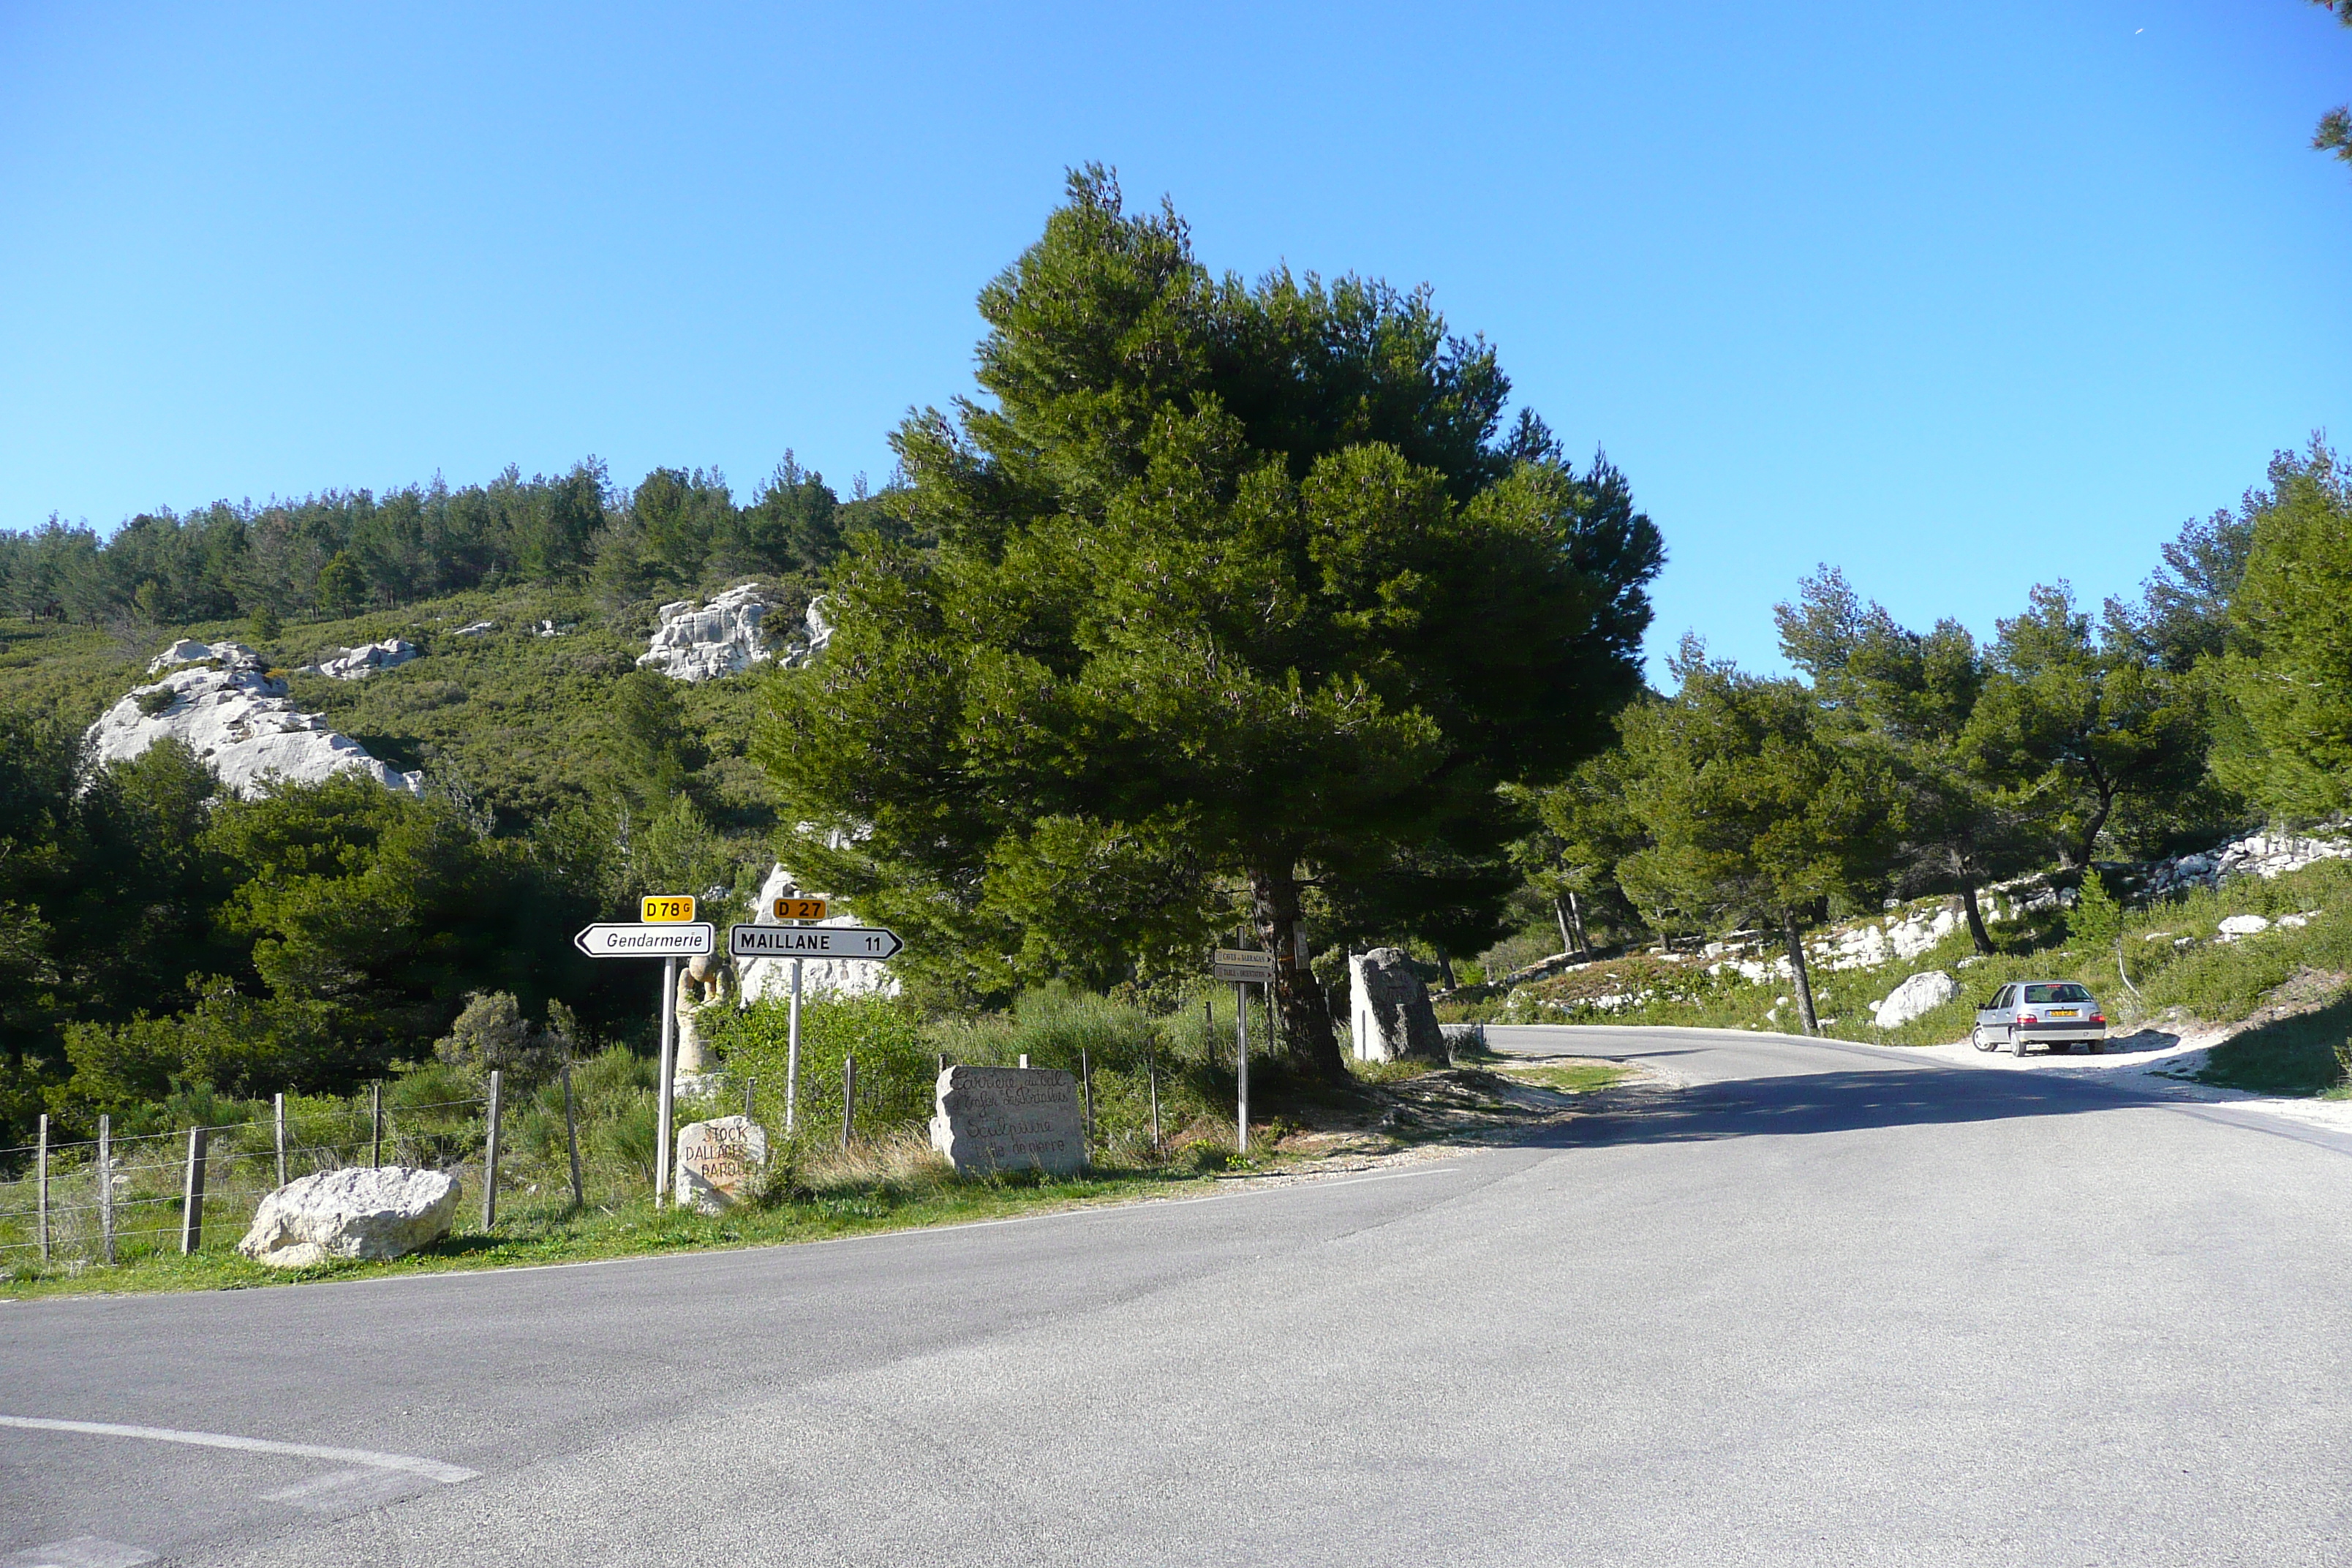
(1244, 964)
(647, 941)
(812, 942)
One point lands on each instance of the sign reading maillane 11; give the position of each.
(647, 941)
(812, 942)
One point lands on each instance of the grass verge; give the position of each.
(540, 1232)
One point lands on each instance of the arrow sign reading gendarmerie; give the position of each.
(647, 941)
(812, 942)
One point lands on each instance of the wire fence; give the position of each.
(115, 1198)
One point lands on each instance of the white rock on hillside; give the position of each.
(2265, 855)
(353, 1212)
(703, 642)
(2236, 926)
(1919, 995)
(358, 663)
(772, 977)
(219, 700)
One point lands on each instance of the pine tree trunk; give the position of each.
(1798, 971)
(1559, 913)
(1445, 971)
(1976, 919)
(1313, 1047)
(1576, 914)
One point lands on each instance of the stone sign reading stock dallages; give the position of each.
(1010, 1118)
(717, 1161)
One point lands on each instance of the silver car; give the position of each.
(2053, 1013)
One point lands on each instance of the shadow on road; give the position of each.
(1823, 1102)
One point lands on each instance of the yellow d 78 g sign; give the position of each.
(665, 908)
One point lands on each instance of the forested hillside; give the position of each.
(160, 938)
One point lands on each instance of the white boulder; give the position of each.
(353, 1212)
(358, 663)
(475, 629)
(703, 642)
(772, 977)
(1920, 995)
(219, 702)
(2236, 926)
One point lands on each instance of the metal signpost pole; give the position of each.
(792, 1056)
(665, 1088)
(1241, 1060)
(44, 1182)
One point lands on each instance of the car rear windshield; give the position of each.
(2048, 994)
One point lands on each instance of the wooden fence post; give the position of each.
(280, 1115)
(1086, 1079)
(572, 1139)
(749, 1085)
(1151, 1066)
(376, 1119)
(192, 1202)
(848, 1098)
(43, 1169)
(106, 1184)
(490, 1160)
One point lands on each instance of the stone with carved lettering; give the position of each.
(720, 1161)
(1010, 1118)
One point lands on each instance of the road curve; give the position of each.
(1824, 1304)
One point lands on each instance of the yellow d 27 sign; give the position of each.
(667, 909)
(800, 908)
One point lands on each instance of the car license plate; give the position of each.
(2065, 1012)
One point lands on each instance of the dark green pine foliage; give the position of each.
(1235, 596)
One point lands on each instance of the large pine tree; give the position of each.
(1220, 586)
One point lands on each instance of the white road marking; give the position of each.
(81, 1551)
(431, 1469)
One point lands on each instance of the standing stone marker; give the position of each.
(1010, 1118)
(717, 1161)
(1391, 1015)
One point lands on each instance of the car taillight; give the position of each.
(2098, 1017)
(2027, 1018)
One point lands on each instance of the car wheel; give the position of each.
(2016, 1044)
(2098, 1048)
(1977, 1038)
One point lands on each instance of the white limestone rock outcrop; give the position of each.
(704, 642)
(2236, 926)
(806, 647)
(772, 977)
(2264, 855)
(1919, 995)
(358, 663)
(223, 705)
(353, 1212)
(1389, 1011)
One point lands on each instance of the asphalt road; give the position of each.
(1827, 1304)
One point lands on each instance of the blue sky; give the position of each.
(1959, 298)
